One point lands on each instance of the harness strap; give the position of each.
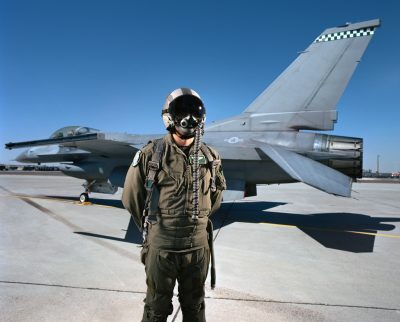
(213, 164)
(154, 166)
(206, 152)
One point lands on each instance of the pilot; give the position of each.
(172, 187)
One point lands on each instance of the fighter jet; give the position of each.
(265, 144)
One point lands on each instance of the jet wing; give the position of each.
(72, 148)
(70, 139)
(113, 144)
(311, 172)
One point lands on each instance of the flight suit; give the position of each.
(177, 246)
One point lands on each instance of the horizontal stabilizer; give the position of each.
(309, 171)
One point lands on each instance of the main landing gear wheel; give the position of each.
(84, 197)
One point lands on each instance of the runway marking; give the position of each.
(334, 230)
(88, 203)
(73, 227)
(73, 287)
(78, 203)
(207, 297)
(73, 202)
(378, 202)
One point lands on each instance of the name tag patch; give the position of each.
(202, 159)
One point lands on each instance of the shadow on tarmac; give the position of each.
(133, 235)
(342, 231)
(95, 201)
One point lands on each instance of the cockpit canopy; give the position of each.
(72, 131)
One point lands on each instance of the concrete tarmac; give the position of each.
(292, 253)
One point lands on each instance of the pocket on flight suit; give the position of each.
(166, 263)
(205, 179)
(171, 184)
(192, 278)
(143, 253)
(206, 262)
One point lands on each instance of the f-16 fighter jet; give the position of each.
(265, 144)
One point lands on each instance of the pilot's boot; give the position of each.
(149, 315)
(195, 313)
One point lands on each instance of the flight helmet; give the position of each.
(183, 111)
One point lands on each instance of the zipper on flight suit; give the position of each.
(185, 175)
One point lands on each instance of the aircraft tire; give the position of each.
(84, 197)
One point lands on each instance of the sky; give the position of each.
(110, 64)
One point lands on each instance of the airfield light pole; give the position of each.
(377, 164)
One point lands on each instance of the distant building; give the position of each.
(395, 175)
(371, 174)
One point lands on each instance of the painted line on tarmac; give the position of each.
(333, 230)
(78, 203)
(74, 202)
(73, 287)
(75, 228)
(207, 297)
(304, 303)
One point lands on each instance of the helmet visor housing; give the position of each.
(187, 105)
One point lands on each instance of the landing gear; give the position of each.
(84, 197)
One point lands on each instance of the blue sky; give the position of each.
(110, 64)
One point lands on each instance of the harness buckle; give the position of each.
(153, 165)
(149, 184)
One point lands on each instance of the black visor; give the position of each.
(187, 105)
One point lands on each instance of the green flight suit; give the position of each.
(177, 246)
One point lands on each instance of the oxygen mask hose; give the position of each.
(196, 172)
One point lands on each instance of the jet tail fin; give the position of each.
(305, 95)
(309, 171)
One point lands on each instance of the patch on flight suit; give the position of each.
(136, 159)
(202, 159)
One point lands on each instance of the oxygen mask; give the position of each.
(186, 126)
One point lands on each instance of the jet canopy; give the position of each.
(69, 131)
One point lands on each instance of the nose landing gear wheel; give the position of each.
(84, 197)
